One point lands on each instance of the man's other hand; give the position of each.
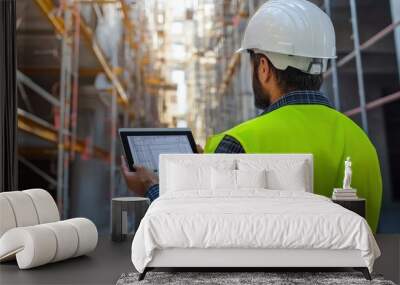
(140, 180)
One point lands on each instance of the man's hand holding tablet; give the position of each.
(139, 180)
(142, 148)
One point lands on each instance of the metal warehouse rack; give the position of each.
(231, 71)
(70, 27)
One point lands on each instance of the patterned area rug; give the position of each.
(229, 278)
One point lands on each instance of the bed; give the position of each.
(247, 211)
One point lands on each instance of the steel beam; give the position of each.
(373, 40)
(36, 152)
(24, 96)
(113, 142)
(92, 42)
(360, 78)
(55, 71)
(39, 90)
(65, 98)
(42, 129)
(75, 77)
(395, 9)
(375, 103)
(48, 8)
(129, 27)
(36, 126)
(234, 60)
(37, 170)
(335, 82)
(230, 71)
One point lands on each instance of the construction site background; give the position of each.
(89, 67)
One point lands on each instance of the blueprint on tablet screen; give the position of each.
(146, 149)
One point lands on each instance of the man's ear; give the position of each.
(264, 70)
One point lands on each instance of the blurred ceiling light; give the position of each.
(160, 19)
(179, 10)
(210, 53)
(178, 51)
(177, 28)
(178, 77)
(208, 60)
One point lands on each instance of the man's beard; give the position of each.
(262, 100)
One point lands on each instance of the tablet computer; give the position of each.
(142, 146)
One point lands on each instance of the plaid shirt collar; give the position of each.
(301, 97)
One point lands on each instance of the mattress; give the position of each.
(250, 219)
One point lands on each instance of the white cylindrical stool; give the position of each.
(123, 208)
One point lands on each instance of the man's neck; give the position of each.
(276, 95)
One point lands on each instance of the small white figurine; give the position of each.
(347, 174)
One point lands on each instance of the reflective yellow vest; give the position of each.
(326, 133)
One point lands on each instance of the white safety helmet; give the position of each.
(291, 33)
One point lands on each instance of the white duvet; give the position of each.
(250, 219)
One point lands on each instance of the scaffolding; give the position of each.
(124, 88)
(231, 68)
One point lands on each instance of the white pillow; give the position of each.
(194, 174)
(226, 179)
(293, 179)
(188, 177)
(284, 174)
(251, 178)
(223, 179)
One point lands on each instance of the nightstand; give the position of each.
(126, 211)
(355, 205)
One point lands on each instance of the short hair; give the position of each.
(291, 78)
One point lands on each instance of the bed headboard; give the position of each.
(211, 159)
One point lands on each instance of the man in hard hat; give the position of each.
(290, 43)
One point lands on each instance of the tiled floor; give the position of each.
(110, 260)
